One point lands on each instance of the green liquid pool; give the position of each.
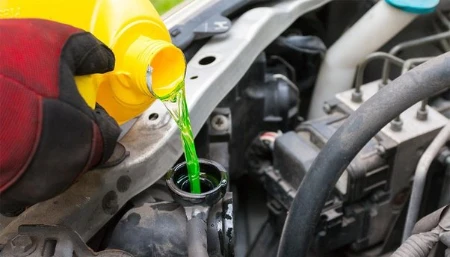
(177, 107)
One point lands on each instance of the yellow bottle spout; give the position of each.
(156, 66)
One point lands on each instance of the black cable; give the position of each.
(413, 86)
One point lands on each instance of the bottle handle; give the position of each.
(87, 86)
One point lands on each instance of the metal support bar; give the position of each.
(408, 44)
(397, 124)
(357, 95)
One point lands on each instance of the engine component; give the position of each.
(420, 178)
(193, 225)
(302, 54)
(159, 229)
(358, 129)
(336, 74)
(265, 99)
(48, 241)
(370, 194)
(214, 181)
(153, 229)
(409, 44)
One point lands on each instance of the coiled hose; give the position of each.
(427, 232)
(419, 245)
(413, 86)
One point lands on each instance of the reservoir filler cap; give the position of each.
(414, 6)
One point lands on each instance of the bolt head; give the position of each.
(219, 122)
(22, 244)
(327, 108)
(380, 150)
(396, 125)
(357, 97)
(422, 115)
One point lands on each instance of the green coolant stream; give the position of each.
(177, 107)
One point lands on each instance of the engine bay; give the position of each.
(297, 168)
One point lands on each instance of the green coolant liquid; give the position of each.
(177, 107)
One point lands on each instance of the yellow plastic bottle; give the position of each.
(148, 65)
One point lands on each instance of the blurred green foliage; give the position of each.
(163, 6)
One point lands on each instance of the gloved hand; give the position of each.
(48, 134)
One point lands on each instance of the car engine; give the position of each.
(324, 126)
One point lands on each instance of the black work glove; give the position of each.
(49, 135)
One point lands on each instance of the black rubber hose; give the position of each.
(413, 86)
(196, 235)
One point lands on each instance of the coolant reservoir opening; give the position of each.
(213, 179)
(206, 185)
(167, 71)
(209, 178)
